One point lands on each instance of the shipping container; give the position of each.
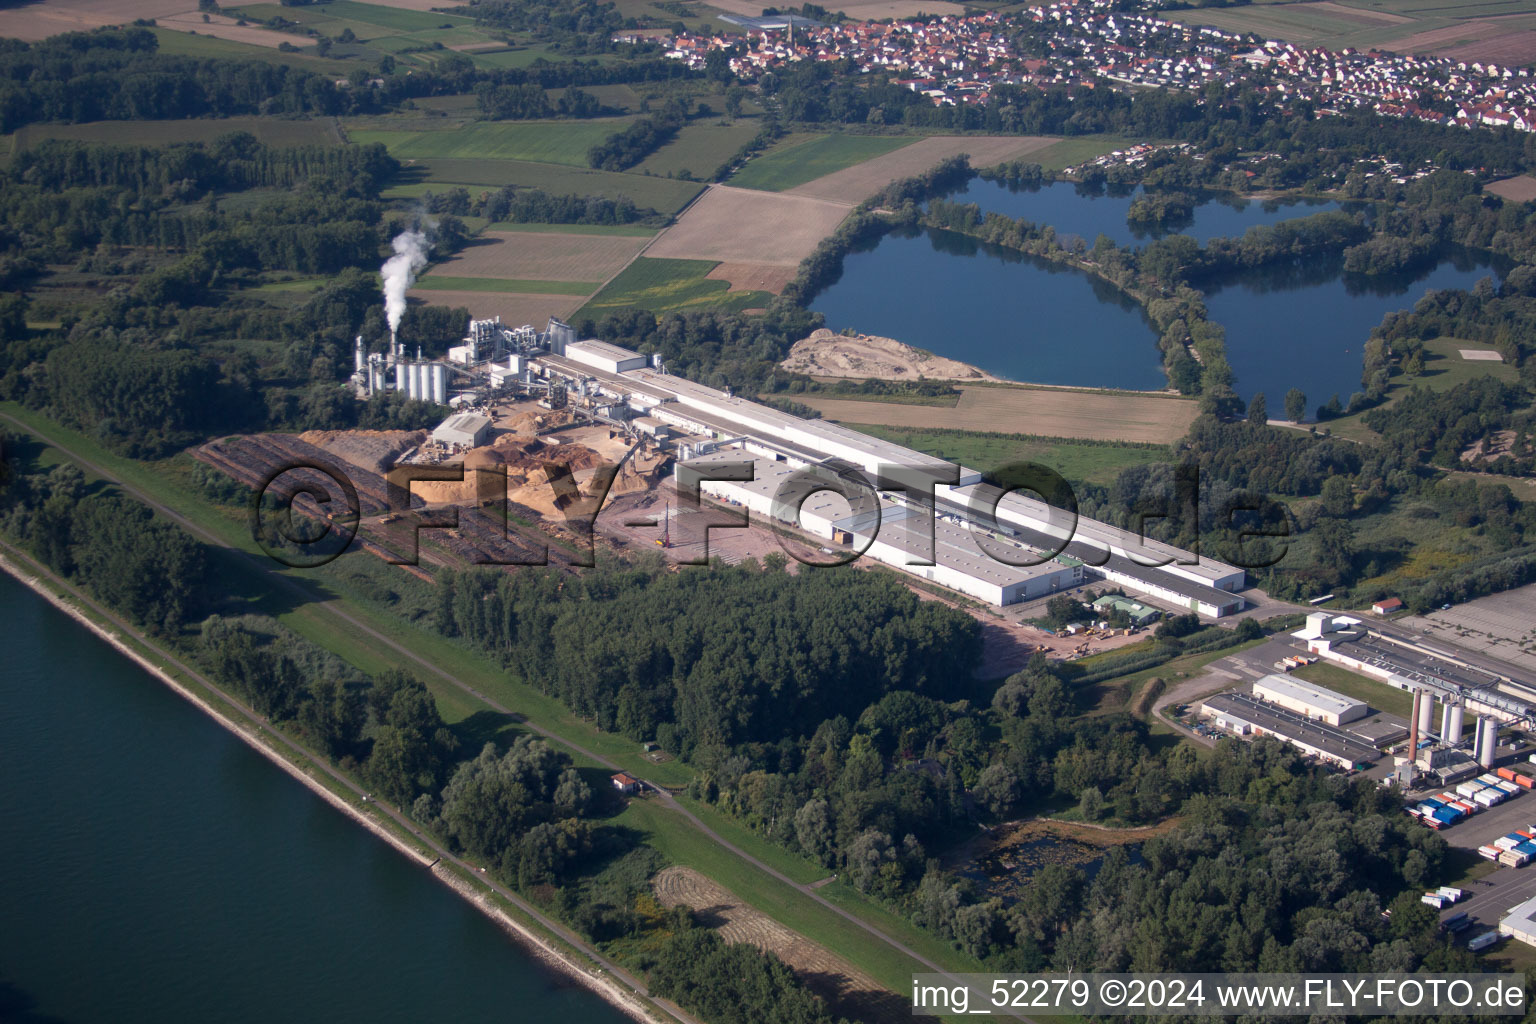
(1447, 816)
(1510, 788)
(1528, 848)
(1508, 842)
(1514, 858)
(1489, 852)
(1464, 807)
(1505, 773)
(1431, 803)
(1456, 922)
(1468, 790)
(1433, 899)
(1483, 941)
(1451, 893)
(1488, 798)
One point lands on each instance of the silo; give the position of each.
(1455, 725)
(402, 382)
(1487, 741)
(413, 375)
(1427, 713)
(439, 383)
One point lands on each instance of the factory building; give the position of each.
(709, 419)
(602, 356)
(465, 429)
(1242, 715)
(897, 535)
(1140, 614)
(1315, 702)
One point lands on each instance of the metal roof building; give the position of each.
(1306, 699)
(1520, 922)
(1240, 714)
(466, 429)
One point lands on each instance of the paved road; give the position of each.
(303, 756)
(334, 607)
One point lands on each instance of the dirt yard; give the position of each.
(849, 991)
(537, 256)
(737, 225)
(40, 20)
(514, 308)
(855, 184)
(827, 354)
(1048, 412)
(753, 277)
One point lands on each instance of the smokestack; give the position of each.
(399, 273)
(1413, 727)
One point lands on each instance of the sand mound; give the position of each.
(826, 354)
(373, 450)
(523, 460)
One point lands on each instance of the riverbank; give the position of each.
(539, 947)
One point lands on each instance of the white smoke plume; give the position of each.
(400, 272)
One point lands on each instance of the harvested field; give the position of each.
(1047, 412)
(223, 27)
(40, 20)
(857, 183)
(270, 130)
(827, 354)
(1519, 189)
(753, 277)
(901, 9)
(663, 194)
(735, 225)
(512, 307)
(1466, 37)
(849, 991)
(535, 256)
(1356, 14)
(1515, 48)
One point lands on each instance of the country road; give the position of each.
(333, 606)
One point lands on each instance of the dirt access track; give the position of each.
(1046, 412)
(849, 991)
(743, 226)
(855, 184)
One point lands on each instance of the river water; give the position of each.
(1032, 320)
(158, 869)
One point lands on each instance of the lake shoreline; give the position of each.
(527, 939)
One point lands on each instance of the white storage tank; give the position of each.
(439, 383)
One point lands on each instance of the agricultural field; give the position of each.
(663, 194)
(39, 21)
(664, 285)
(739, 225)
(444, 283)
(699, 148)
(549, 142)
(619, 230)
(529, 256)
(1078, 461)
(1039, 411)
(797, 159)
(514, 308)
(270, 130)
(1487, 30)
(1070, 152)
(857, 183)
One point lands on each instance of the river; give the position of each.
(1031, 320)
(157, 868)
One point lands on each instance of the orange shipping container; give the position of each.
(1507, 774)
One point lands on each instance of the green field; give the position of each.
(1443, 369)
(783, 167)
(1078, 461)
(662, 194)
(1378, 695)
(393, 20)
(550, 142)
(699, 148)
(664, 285)
(1071, 152)
(443, 283)
(185, 44)
(270, 130)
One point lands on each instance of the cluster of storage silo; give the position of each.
(422, 381)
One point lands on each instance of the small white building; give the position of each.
(601, 355)
(466, 429)
(1305, 699)
(1520, 922)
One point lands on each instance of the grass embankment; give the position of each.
(1077, 461)
(261, 586)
